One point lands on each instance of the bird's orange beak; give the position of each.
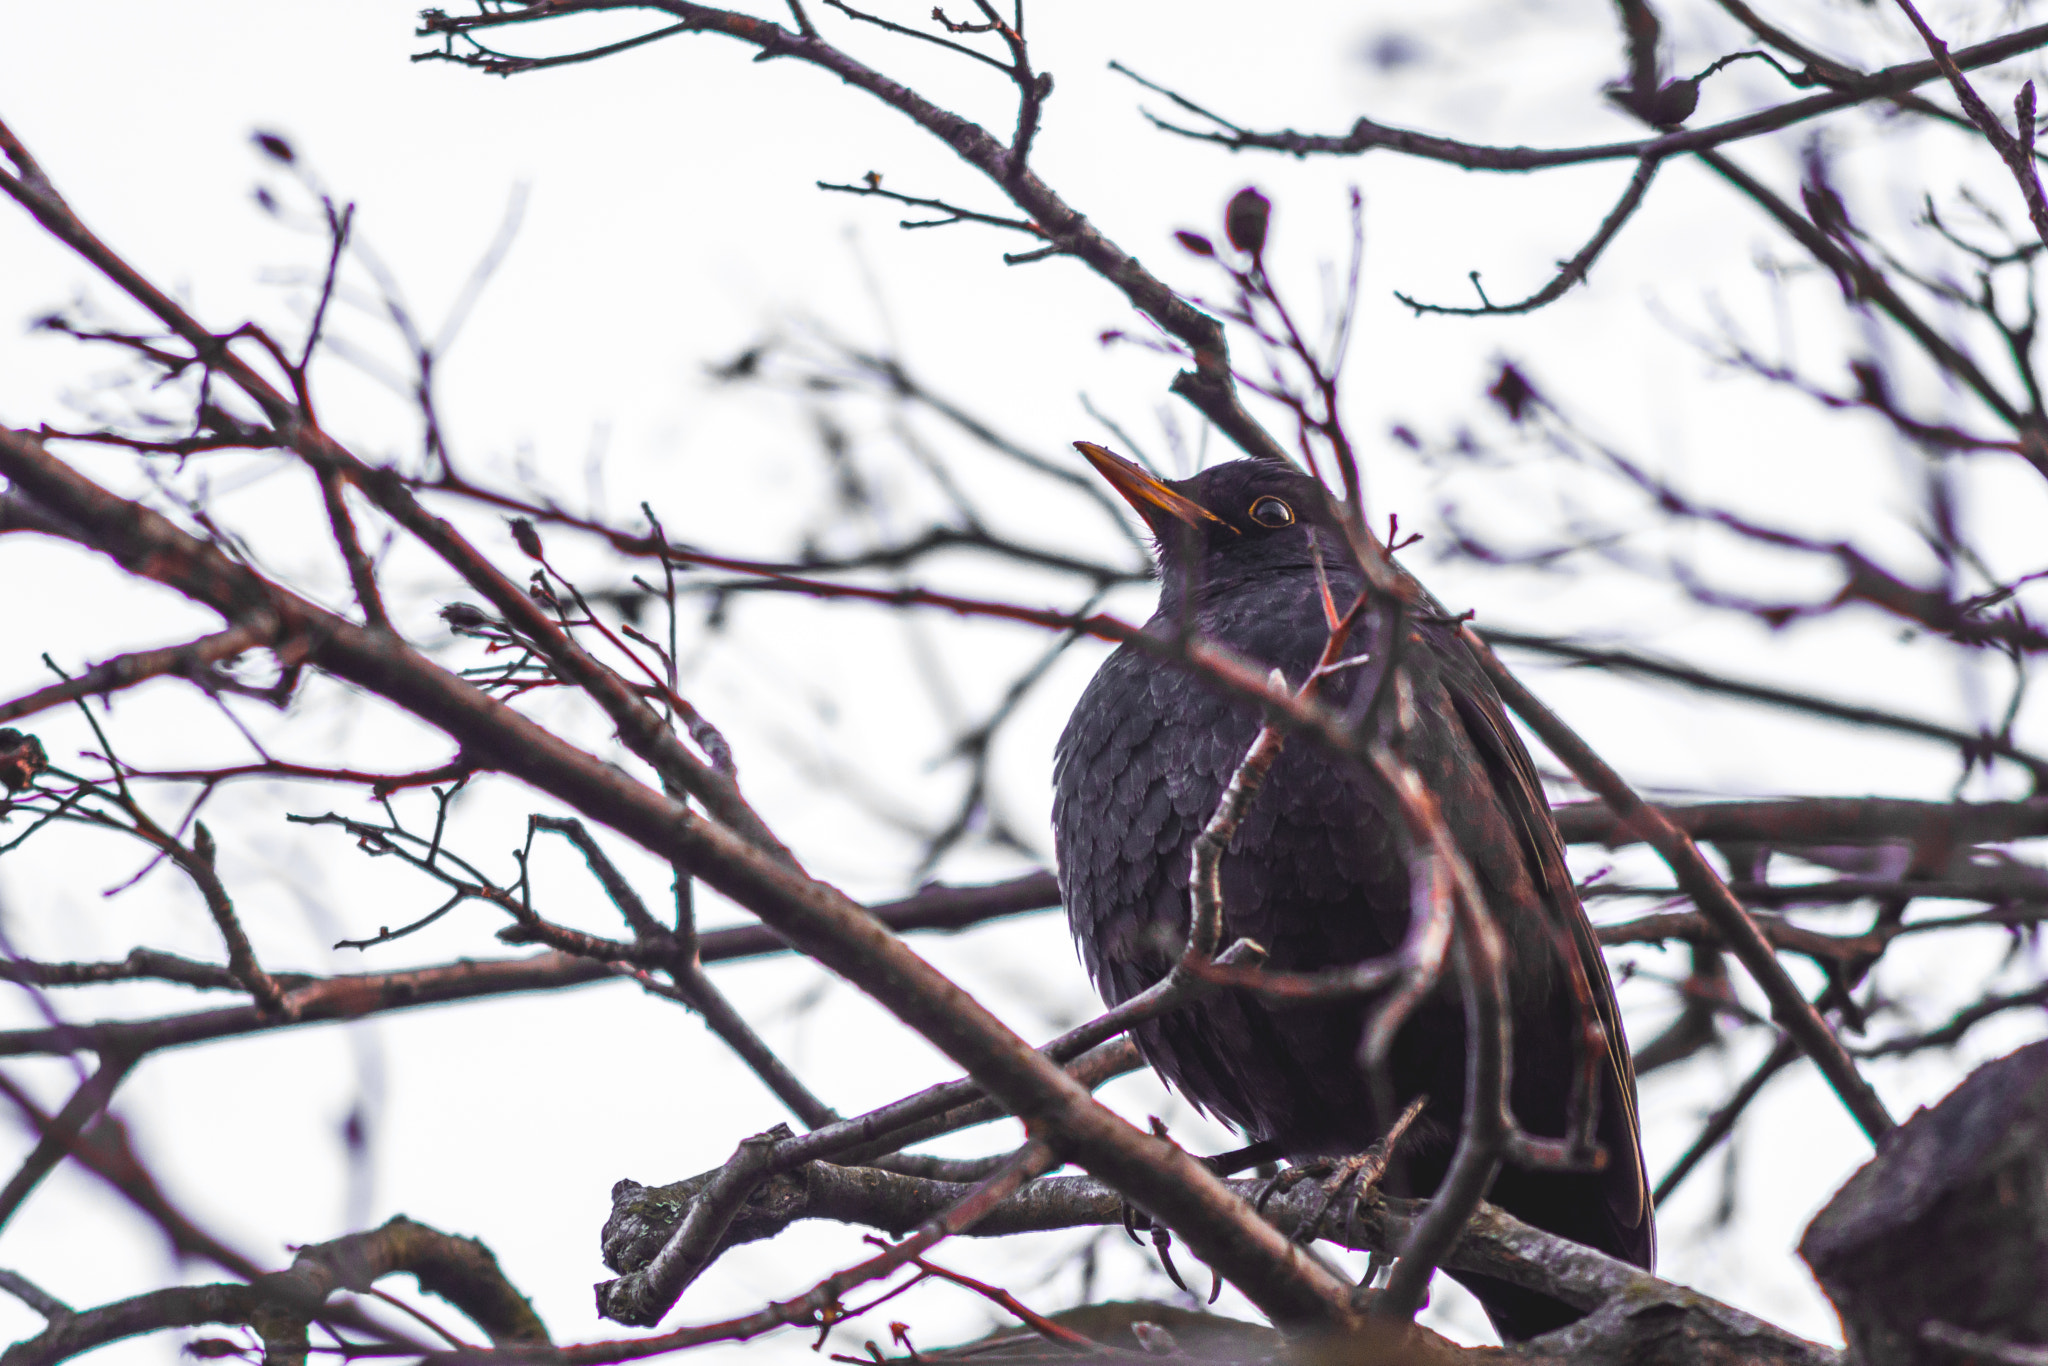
(1143, 491)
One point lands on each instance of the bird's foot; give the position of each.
(1136, 1221)
(1356, 1176)
(1222, 1165)
(1290, 1176)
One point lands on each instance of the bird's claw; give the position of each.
(1360, 1174)
(1162, 1243)
(1135, 1220)
(1356, 1175)
(1287, 1178)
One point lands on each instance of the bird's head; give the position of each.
(1244, 518)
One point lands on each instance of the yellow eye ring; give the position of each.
(1270, 511)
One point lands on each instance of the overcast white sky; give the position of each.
(669, 219)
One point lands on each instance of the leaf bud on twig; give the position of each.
(525, 537)
(1674, 103)
(275, 147)
(1244, 220)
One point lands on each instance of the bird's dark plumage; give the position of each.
(1316, 872)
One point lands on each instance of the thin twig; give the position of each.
(1570, 272)
(1366, 135)
(191, 660)
(696, 989)
(1952, 1032)
(954, 213)
(61, 1135)
(362, 574)
(1722, 1121)
(1628, 661)
(197, 863)
(2017, 157)
(33, 1295)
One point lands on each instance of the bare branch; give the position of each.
(34, 1296)
(1571, 272)
(954, 213)
(1791, 1009)
(647, 1293)
(1366, 135)
(361, 572)
(280, 1305)
(1722, 1122)
(1209, 386)
(61, 1135)
(1817, 820)
(197, 864)
(1493, 1243)
(1486, 1125)
(1960, 1024)
(193, 660)
(1627, 661)
(2017, 155)
(104, 1150)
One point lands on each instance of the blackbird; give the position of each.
(1316, 872)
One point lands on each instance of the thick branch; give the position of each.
(817, 919)
(1493, 1243)
(461, 1271)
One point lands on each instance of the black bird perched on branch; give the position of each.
(1318, 872)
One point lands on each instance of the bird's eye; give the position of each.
(1270, 511)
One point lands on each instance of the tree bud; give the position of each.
(1244, 220)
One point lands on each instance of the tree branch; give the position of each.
(191, 660)
(1628, 661)
(2019, 159)
(1493, 1243)
(1209, 386)
(281, 1304)
(1793, 1012)
(1570, 272)
(1366, 135)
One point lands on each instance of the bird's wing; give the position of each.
(1521, 792)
